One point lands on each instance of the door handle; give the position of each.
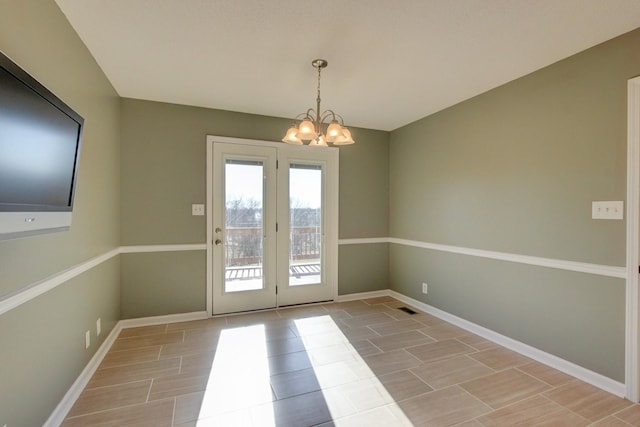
(218, 242)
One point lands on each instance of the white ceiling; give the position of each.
(391, 62)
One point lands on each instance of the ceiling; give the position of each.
(391, 62)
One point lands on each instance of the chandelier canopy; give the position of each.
(310, 126)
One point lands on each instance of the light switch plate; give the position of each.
(607, 210)
(197, 210)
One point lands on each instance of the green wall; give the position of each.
(42, 341)
(363, 268)
(163, 161)
(515, 170)
(155, 284)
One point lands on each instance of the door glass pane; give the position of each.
(305, 224)
(244, 225)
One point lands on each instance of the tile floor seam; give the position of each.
(173, 412)
(491, 408)
(458, 383)
(597, 390)
(542, 394)
(125, 329)
(115, 384)
(420, 332)
(432, 337)
(149, 391)
(435, 360)
(468, 356)
(367, 326)
(420, 362)
(139, 348)
(515, 367)
(369, 341)
(464, 391)
(524, 399)
(118, 366)
(552, 387)
(615, 414)
(477, 419)
(130, 349)
(127, 364)
(425, 381)
(620, 419)
(120, 383)
(118, 408)
(475, 350)
(513, 402)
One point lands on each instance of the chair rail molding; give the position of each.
(34, 290)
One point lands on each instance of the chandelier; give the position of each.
(311, 126)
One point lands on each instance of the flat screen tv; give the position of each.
(40, 138)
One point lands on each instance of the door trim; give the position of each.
(632, 341)
(332, 220)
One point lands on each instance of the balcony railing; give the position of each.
(243, 246)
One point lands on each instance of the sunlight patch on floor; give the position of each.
(241, 392)
(347, 382)
(239, 378)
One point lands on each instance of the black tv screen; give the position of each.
(40, 138)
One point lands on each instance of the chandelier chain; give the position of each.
(319, 71)
(318, 124)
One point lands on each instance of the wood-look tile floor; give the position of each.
(360, 363)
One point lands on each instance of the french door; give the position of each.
(273, 225)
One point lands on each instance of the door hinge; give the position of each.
(276, 227)
(276, 290)
(277, 164)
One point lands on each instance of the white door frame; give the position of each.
(332, 219)
(265, 295)
(632, 339)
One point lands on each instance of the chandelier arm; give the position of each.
(339, 117)
(328, 113)
(300, 116)
(311, 115)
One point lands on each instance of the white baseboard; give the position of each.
(159, 320)
(362, 295)
(58, 415)
(593, 378)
